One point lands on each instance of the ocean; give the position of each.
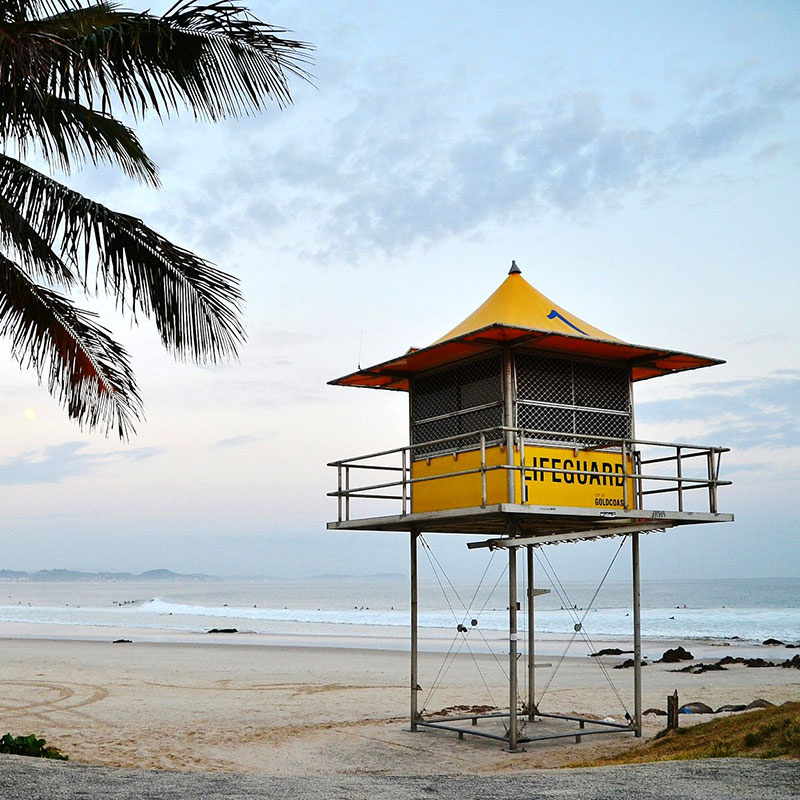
(363, 611)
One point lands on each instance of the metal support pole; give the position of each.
(414, 643)
(512, 649)
(637, 640)
(347, 490)
(624, 475)
(339, 496)
(508, 421)
(712, 484)
(483, 470)
(531, 637)
(405, 482)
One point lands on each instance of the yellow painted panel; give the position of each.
(569, 487)
(460, 491)
(566, 487)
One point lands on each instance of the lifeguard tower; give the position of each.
(522, 430)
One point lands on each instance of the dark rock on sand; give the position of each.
(792, 663)
(760, 703)
(696, 708)
(609, 651)
(734, 707)
(675, 655)
(629, 662)
(656, 712)
(224, 630)
(748, 662)
(772, 642)
(699, 669)
(122, 641)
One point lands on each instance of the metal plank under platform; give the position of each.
(549, 522)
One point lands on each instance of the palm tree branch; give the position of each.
(67, 132)
(85, 369)
(194, 305)
(215, 58)
(17, 235)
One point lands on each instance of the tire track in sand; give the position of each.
(61, 700)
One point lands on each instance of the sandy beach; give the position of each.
(268, 709)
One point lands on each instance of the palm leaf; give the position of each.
(67, 133)
(19, 237)
(85, 369)
(194, 305)
(215, 59)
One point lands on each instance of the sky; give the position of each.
(639, 161)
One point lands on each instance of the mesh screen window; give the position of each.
(456, 401)
(566, 398)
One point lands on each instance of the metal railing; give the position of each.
(636, 456)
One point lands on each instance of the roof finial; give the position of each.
(515, 270)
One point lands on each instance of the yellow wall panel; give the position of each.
(569, 486)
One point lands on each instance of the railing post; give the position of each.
(712, 484)
(625, 474)
(339, 495)
(521, 435)
(639, 487)
(347, 491)
(403, 493)
(483, 470)
(679, 473)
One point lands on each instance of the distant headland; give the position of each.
(68, 575)
(65, 575)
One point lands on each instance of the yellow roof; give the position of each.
(519, 316)
(517, 304)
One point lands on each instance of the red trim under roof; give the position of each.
(645, 362)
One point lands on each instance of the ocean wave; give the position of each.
(752, 624)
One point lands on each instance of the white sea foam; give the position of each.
(753, 624)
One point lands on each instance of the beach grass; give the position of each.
(764, 733)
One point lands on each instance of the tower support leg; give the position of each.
(637, 639)
(512, 649)
(414, 632)
(531, 637)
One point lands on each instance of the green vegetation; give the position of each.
(29, 745)
(765, 733)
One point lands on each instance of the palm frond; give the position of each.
(19, 237)
(215, 59)
(67, 133)
(194, 305)
(84, 368)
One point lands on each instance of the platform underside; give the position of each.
(548, 522)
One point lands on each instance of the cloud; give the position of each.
(55, 464)
(378, 176)
(744, 414)
(234, 442)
